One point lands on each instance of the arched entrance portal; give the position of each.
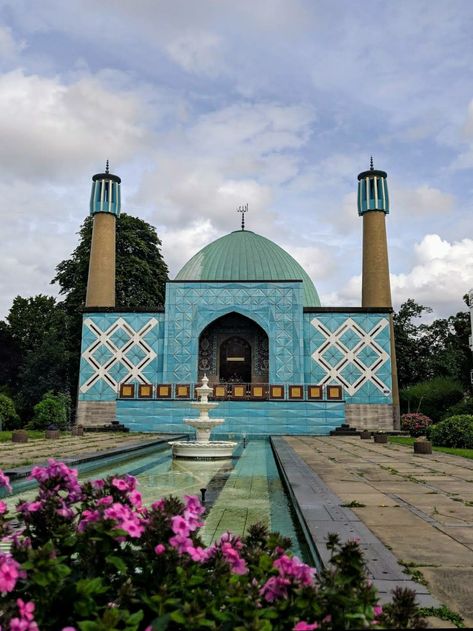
(234, 349)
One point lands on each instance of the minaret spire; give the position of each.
(373, 206)
(104, 208)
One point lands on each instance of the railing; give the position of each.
(233, 391)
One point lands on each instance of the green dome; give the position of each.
(243, 255)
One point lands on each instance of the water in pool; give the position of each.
(240, 492)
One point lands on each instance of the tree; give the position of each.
(9, 360)
(141, 276)
(40, 340)
(411, 350)
(38, 326)
(141, 272)
(425, 351)
(449, 350)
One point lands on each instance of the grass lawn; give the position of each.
(455, 451)
(5, 437)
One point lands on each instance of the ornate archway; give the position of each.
(233, 349)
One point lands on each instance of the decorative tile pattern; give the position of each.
(276, 307)
(116, 351)
(353, 352)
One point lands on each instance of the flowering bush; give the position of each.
(91, 557)
(416, 424)
(455, 431)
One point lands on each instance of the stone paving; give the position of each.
(39, 450)
(419, 506)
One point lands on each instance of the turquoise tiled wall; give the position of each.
(118, 347)
(321, 348)
(241, 417)
(352, 349)
(276, 307)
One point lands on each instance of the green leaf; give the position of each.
(177, 616)
(117, 562)
(89, 586)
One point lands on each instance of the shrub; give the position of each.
(51, 410)
(433, 397)
(9, 419)
(91, 556)
(462, 407)
(456, 431)
(416, 424)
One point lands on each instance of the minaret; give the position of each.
(373, 206)
(105, 208)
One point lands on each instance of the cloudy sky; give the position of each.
(202, 105)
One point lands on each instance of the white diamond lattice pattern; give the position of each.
(125, 361)
(344, 365)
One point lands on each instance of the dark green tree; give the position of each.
(38, 327)
(141, 272)
(141, 276)
(411, 349)
(449, 350)
(9, 360)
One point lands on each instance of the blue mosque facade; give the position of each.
(245, 313)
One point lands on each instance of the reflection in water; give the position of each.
(241, 491)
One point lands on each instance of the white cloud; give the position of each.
(197, 52)
(52, 128)
(233, 155)
(422, 200)
(440, 276)
(180, 245)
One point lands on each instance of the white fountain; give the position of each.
(203, 448)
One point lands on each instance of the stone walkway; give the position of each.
(420, 507)
(39, 450)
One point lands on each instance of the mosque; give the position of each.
(244, 312)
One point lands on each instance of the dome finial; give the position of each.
(107, 167)
(243, 210)
(371, 164)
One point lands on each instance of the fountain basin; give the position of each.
(203, 450)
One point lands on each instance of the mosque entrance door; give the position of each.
(235, 361)
(234, 349)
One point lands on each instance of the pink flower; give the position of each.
(9, 573)
(180, 542)
(98, 485)
(377, 610)
(158, 505)
(88, 517)
(3, 508)
(74, 629)
(180, 526)
(105, 501)
(198, 554)
(135, 498)
(20, 624)
(193, 505)
(275, 588)
(305, 626)
(67, 513)
(30, 507)
(26, 609)
(119, 484)
(159, 549)
(132, 527)
(5, 481)
(292, 567)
